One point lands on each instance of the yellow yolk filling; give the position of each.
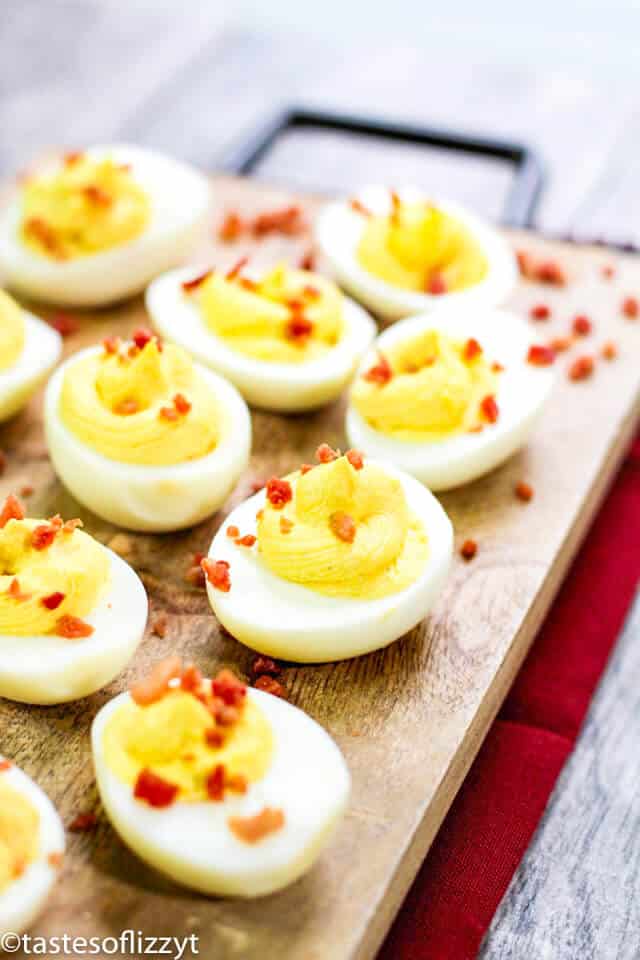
(11, 331)
(417, 244)
(168, 737)
(19, 828)
(390, 547)
(117, 404)
(434, 392)
(75, 565)
(261, 322)
(85, 207)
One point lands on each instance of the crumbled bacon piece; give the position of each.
(44, 233)
(155, 686)
(525, 262)
(265, 665)
(159, 625)
(437, 285)
(83, 822)
(190, 678)
(16, 593)
(298, 327)
(182, 405)
(288, 220)
(53, 600)
(126, 408)
(213, 737)
(195, 573)
(231, 227)
(142, 336)
(326, 454)
(608, 271)
(233, 531)
(307, 261)
(236, 269)
(540, 312)
(190, 285)
(355, 458)
(11, 510)
(65, 324)
(540, 356)
(581, 325)
(97, 195)
(468, 549)
(305, 467)
(581, 368)
(523, 491)
(471, 349)
(551, 272)
(217, 573)
(609, 350)
(253, 829)
(489, 408)
(358, 207)
(169, 413)
(72, 628)
(154, 790)
(559, 344)
(229, 688)
(286, 525)
(630, 307)
(269, 685)
(111, 344)
(380, 372)
(72, 157)
(215, 783)
(44, 534)
(343, 526)
(5, 765)
(26, 490)
(247, 541)
(497, 367)
(279, 492)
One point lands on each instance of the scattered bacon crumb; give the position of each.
(236, 269)
(489, 408)
(231, 227)
(5, 765)
(215, 784)
(630, 307)
(524, 491)
(380, 372)
(265, 665)
(72, 628)
(142, 336)
(326, 454)
(83, 822)
(559, 344)
(233, 531)
(97, 195)
(540, 312)
(298, 327)
(16, 593)
(550, 271)
(288, 220)
(190, 678)
(343, 526)
(436, 285)
(253, 829)
(189, 285)
(160, 625)
(53, 600)
(279, 492)
(355, 458)
(540, 356)
(11, 510)
(182, 405)
(359, 207)
(286, 525)
(65, 324)
(468, 550)
(194, 573)
(154, 790)
(581, 325)
(497, 367)
(155, 686)
(608, 271)
(247, 541)
(26, 490)
(54, 859)
(229, 688)
(305, 467)
(213, 737)
(217, 573)
(609, 350)
(44, 534)
(269, 685)
(581, 368)
(307, 261)
(110, 344)
(471, 350)
(72, 157)
(168, 413)
(525, 262)
(126, 408)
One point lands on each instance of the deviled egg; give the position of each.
(401, 252)
(144, 437)
(287, 338)
(92, 227)
(31, 849)
(448, 396)
(72, 612)
(225, 789)
(29, 350)
(330, 562)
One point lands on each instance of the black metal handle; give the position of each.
(522, 197)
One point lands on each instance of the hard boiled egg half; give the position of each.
(225, 789)
(29, 349)
(286, 338)
(401, 252)
(92, 227)
(31, 849)
(447, 396)
(333, 561)
(71, 611)
(143, 436)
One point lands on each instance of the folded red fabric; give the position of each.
(490, 824)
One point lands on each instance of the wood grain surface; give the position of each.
(409, 719)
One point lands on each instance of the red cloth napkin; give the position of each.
(450, 906)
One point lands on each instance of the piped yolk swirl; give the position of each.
(19, 830)
(12, 332)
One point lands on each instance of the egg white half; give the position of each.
(50, 669)
(41, 352)
(338, 232)
(192, 843)
(288, 387)
(180, 205)
(150, 498)
(23, 900)
(292, 622)
(523, 390)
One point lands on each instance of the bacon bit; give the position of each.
(359, 207)
(489, 408)
(55, 858)
(609, 350)
(229, 688)
(182, 405)
(83, 822)
(72, 157)
(608, 271)
(111, 344)
(190, 678)
(233, 531)
(630, 307)
(343, 526)
(305, 467)
(70, 525)
(26, 490)
(523, 491)
(190, 285)
(581, 368)
(476, 428)
(126, 408)
(582, 325)
(269, 685)
(326, 454)
(5, 765)
(168, 413)
(497, 367)
(160, 625)
(247, 541)
(154, 687)
(380, 372)
(298, 327)
(472, 349)
(559, 344)
(265, 665)
(253, 829)
(43, 232)
(355, 458)
(237, 782)
(236, 269)
(525, 262)
(231, 227)
(215, 784)
(247, 283)
(436, 285)
(540, 356)
(142, 336)
(97, 195)
(279, 492)
(213, 737)
(195, 573)
(307, 261)
(12, 509)
(550, 271)
(72, 628)
(45, 533)
(287, 220)
(154, 790)
(468, 550)
(53, 600)
(540, 312)
(15, 593)
(217, 573)
(286, 525)
(63, 323)
(311, 292)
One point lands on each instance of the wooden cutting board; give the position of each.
(410, 719)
